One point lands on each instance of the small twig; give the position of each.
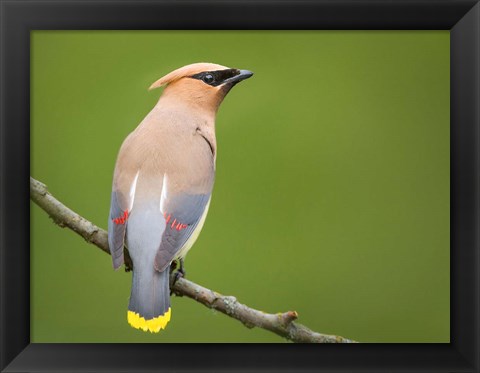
(282, 323)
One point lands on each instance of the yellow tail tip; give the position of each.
(153, 325)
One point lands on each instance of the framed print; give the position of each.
(345, 203)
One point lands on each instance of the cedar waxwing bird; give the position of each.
(162, 184)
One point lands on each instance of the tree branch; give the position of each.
(281, 323)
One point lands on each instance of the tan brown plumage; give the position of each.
(162, 184)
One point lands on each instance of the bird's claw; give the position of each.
(179, 273)
(176, 276)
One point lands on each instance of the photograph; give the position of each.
(305, 173)
(246, 186)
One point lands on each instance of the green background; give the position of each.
(332, 187)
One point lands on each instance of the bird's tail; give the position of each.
(149, 307)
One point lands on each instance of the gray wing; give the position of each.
(182, 214)
(117, 224)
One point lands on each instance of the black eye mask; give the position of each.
(216, 78)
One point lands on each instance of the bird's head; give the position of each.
(200, 85)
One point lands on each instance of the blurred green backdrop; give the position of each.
(332, 188)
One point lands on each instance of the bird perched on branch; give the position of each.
(162, 184)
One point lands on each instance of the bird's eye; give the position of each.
(208, 78)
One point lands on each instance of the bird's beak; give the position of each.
(244, 74)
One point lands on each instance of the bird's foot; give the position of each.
(176, 276)
(182, 268)
(179, 273)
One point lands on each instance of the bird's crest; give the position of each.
(184, 71)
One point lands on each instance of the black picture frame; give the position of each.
(19, 17)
